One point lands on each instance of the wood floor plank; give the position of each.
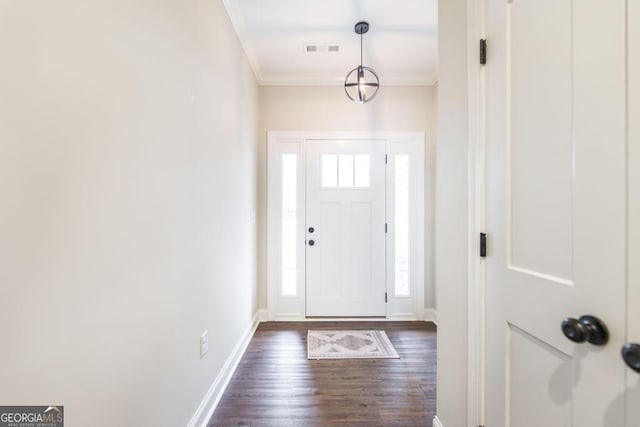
(275, 384)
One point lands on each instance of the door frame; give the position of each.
(633, 200)
(293, 307)
(476, 215)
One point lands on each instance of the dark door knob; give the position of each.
(631, 355)
(311, 229)
(587, 328)
(311, 243)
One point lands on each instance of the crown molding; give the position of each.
(233, 12)
(304, 81)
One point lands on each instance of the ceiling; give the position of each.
(401, 45)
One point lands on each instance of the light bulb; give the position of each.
(362, 88)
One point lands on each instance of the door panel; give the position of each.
(346, 208)
(555, 209)
(540, 164)
(538, 391)
(329, 228)
(360, 250)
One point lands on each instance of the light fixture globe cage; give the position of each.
(362, 83)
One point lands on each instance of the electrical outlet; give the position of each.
(204, 343)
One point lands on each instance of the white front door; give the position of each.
(556, 189)
(345, 228)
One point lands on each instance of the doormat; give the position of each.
(354, 344)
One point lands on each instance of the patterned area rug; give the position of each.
(349, 345)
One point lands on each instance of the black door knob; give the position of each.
(587, 328)
(631, 355)
(311, 243)
(311, 229)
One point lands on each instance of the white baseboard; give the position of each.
(352, 319)
(430, 315)
(402, 317)
(436, 422)
(210, 401)
(427, 315)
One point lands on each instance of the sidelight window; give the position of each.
(289, 223)
(401, 201)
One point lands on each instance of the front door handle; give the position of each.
(587, 328)
(631, 355)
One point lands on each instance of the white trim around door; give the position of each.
(476, 214)
(286, 220)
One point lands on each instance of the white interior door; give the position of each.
(345, 252)
(555, 210)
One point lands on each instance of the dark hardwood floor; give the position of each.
(275, 384)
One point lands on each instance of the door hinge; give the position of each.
(385, 227)
(483, 51)
(386, 159)
(385, 297)
(483, 247)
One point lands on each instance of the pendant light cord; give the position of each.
(361, 49)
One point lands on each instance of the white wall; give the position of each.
(127, 178)
(304, 108)
(451, 214)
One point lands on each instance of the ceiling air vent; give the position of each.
(321, 48)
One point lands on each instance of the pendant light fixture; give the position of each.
(362, 83)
